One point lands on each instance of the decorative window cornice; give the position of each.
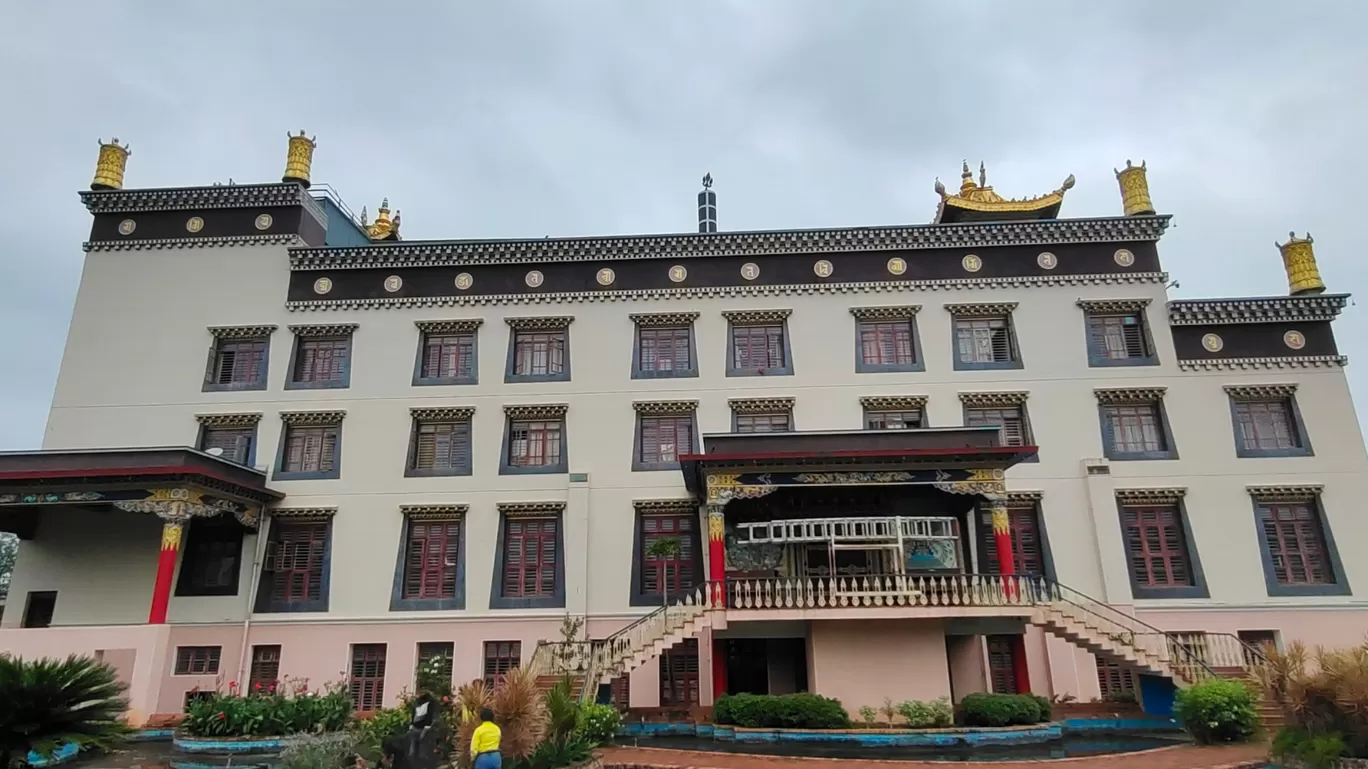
(460, 326)
(755, 317)
(283, 239)
(531, 508)
(443, 414)
(273, 195)
(1270, 309)
(434, 512)
(1290, 493)
(905, 312)
(1250, 364)
(326, 329)
(1261, 391)
(730, 292)
(303, 513)
(1151, 496)
(893, 402)
(684, 506)
(983, 399)
(228, 420)
(1113, 229)
(312, 418)
(242, 332)
(1130, 394)
(664, 318)
(981, 309)
(1113, 306)
(651, 408)
(537, 411)
(557, 323)
(761, 405)
(1024, 498)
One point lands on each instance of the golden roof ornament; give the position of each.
(1299, 260)
(977, 202)
(109, 167)
(384, 228)
(299, 159)
(1135, 197)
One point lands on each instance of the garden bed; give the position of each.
(235, 745)
(895, 737)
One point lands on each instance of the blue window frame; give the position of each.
(985, 341)
(321, 358)
(886, 340)
(664, 347)
(538, 350)
(1267, 422)
(239, 358)
(429, 574)
(310, 447)
(1119, 339)
(1297, 547)
(758, 343)
(1135, 428)
(448, 353)
(297, 570)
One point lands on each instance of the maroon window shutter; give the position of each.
(1296, 544)
(265, 670)
(1001, 670)
(368, 676)
(1156, 546)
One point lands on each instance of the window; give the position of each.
(678, 575)
(1011, 420)
(1299, 555)
(238, 359)
(39, 608)
(893, 420)
(1160, 557)
(499, 658)
(1267, 421)
(441, 442)
(448, 352)
(265, 671)
(1115, 681)
(1134, 425)
(295, 570)
(1028, 541)
(886, 339)
(321, 357)
(1118, 338)
(236, 444)
(664, 431)
(310, 445)
(679, 675)
(431, 557)
(441, 651)
(538, 350)
(530, 550)
(762, 423)
(984, 337)
(762, 415)
(1001, 663)
(664, 351)
(212, 557)
(535, 441)
(1258, 643)
(757, 343)
(197, 660)
(368, 676)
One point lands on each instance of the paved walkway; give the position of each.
(1181, 757)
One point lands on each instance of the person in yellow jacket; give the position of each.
(484, 743)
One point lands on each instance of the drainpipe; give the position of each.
(254, 583)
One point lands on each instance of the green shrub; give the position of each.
(927, 715)
(269, 713)
(786, 711)
(868, 715)
(1000, 710)
(1312, 751)
(1218, 710)
(371, 733)
(1046, 707)
(599, 723)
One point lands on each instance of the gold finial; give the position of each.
(966, 179)
(109, 167)
(1299, 260)
(299, 159)
(1135, 197)
(383, 228)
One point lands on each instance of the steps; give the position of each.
(1270, 715)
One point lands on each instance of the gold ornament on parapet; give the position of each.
(724, 487)
(605, 277)
(1123, 257)
(972, 263)
(980, 481)
(171, 536)
(1047, 260)
(263, 222)
(127, 226)
(1135, 196)
(322, 286)
(109, 167)
(1299, 260)
(299, 158)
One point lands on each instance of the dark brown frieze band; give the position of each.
(1273, 309)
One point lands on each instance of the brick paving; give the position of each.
(1180, 757)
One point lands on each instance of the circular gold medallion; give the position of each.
(823, 268)
(127, 226)
(194, 224)
(750, 270)
(464, 281)
(897, 265)
(606, 277)
(1123, 257)
(972, 263)
(1212, 343)
(393, 283)
(322, 286)
(1047, 260)
(678, 273)
(1294, 340)
(264, 222)
(534, 278)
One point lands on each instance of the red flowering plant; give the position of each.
(288, 707)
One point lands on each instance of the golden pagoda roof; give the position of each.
(383, 228)
(977, 202)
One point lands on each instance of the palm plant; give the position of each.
(664, 550)
(48, 703)
(470, 699)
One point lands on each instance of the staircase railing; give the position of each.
(618, 647)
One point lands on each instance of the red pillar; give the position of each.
(1002, 541)
(717, 592)
(166, 568)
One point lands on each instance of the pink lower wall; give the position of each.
(865, 662)
(1329, 627)
(968, 671)
(137, 653)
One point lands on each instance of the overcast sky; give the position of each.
(515, 119)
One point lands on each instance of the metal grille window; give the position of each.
(320, 360)
(237, 362)
(197, 660)
(265, 670)
(1156, 546)
(763, 423)
(441, 446)
(1001, 667)
(893, 420)
(984, 340)
(1027, 549)
(1135, 428)
(664, 438)
(499, 658)
(664, 349)
(1115, 682)
(1118, 337)
(534, 443)
(887, 343)
(1009, 419)
(1296, 543)
(538, 353)
(294, 561)
(530, 546)
(212, 558)
(758, 347)
(234, 442)
(448, 356)
(1266, 425)
(679, 574)
(368, 676)
(310, 449)
(430, 559)
(679, 674)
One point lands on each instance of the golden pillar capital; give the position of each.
(1135, 196)
(1299, 260)
(299, 159)
(109, 167)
